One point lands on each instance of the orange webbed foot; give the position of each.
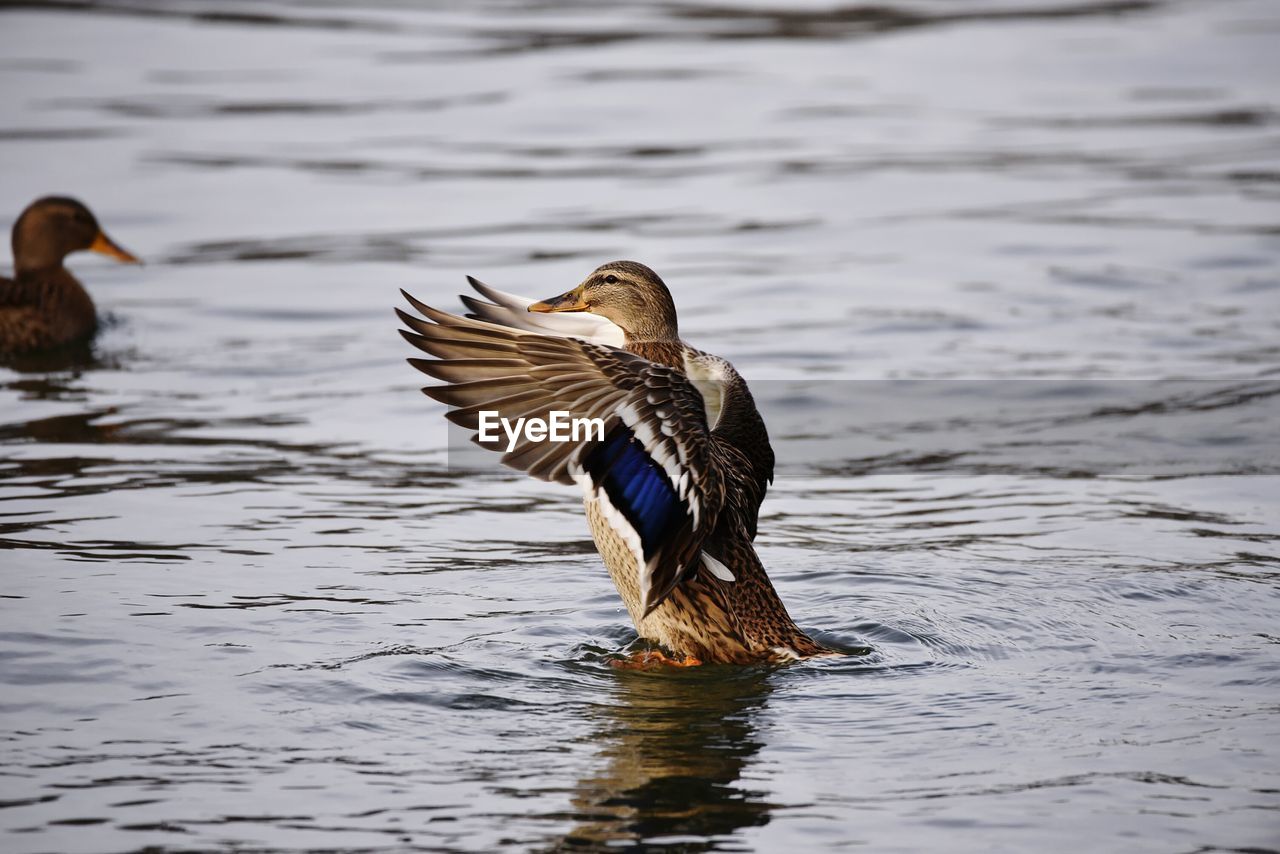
(652, 659)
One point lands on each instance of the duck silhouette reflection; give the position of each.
(672, 753)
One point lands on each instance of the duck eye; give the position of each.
(611, 279)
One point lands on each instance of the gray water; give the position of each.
(249, 604)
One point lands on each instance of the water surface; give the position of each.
(249, 604)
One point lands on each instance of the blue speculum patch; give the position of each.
(636, 485)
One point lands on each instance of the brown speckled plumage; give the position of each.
(725, 622)
(44, 309)
(678, 403)
(43, 305)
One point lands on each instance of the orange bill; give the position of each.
(572, 301)
(107, 246)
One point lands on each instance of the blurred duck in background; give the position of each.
(43, 306)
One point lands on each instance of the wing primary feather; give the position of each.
(447, 395)
(661, 480)
(466, 370)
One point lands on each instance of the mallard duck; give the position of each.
(672, 484)
(43, 305)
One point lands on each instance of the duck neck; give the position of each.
(28, 266)
(656, 332)
(669, 353)
(35, 251)
(654, 335)
(657, 323)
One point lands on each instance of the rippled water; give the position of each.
(248, 604)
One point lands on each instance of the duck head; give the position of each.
(627, 293)
(52, 228)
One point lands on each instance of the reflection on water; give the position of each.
(47, 364)
(671, 755)
(1003, 274)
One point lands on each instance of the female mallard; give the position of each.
(43, 305)
(672, 491)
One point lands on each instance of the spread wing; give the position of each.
(506, 309)
(653, 464)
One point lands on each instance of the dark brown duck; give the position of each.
(43, 305)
